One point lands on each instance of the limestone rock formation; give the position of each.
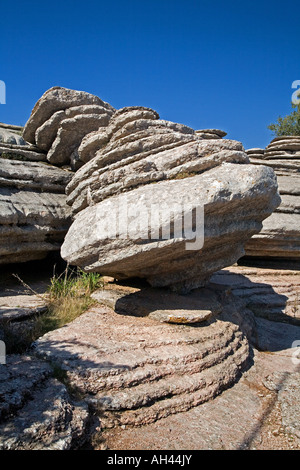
(36, 412)
(34, 217)
(137, 370)
(280, 236)
(60, 120)
(13, 146)
(211, 133)
(144, 162)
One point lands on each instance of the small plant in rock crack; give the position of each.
(68, 296)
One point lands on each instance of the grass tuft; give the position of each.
(68, 296)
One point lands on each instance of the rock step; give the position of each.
(32, 174)
(11, 127)
(291, 165)
(284, 144)
(289, 203)
(217, 132)
(256, 150)
(277, 155)
(176, 384)
(161, 362)
(212, 384)
(288, 183)
(278, 238)
(139, 364)
(34, 216)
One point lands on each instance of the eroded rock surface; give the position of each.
(36, 412)
(186, 173)
(13, 146)
(60, 120)
(280, 236)
(34, 216)
(137, 369)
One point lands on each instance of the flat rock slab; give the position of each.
(160, 304)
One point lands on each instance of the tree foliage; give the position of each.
(288, 125)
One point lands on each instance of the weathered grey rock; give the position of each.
(211, 133)
(167, 262)
(280, 236)
(34, 217)
(13, 146)
(70, 134)
(60, 120)
(57, 99)
(271, 293)
(36, 412)
(10, 136)
(46, 133)
(16, 152)
(137, 149)
(255, 153)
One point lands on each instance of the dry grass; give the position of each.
(67, 298)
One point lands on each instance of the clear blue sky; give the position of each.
(227, 65)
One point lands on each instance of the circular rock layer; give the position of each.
(137, 370)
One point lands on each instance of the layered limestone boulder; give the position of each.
(280, 236)
(34, 216)
(60, 120)
(144, 177)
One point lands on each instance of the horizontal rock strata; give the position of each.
(13, 146)
(211, 133)
(280, 236)
(34, 217)
(270, 292)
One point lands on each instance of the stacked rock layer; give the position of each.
(60, 120)
(142, 161)
(211, 133)
(280, 236)
(13, 146)
(34, 216)
(136, 370)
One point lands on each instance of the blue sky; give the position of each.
(207, 64)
